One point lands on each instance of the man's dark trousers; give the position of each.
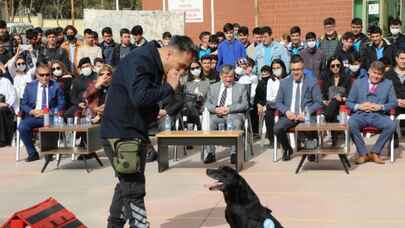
(128, 200)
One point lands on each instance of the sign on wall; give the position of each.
(194, 9)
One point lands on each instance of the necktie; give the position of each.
(297, 97)
(373, 89)
(44, 103)
(223, 98)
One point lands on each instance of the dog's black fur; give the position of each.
(243, 208)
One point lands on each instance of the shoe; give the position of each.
(151, 154)
(376, 158)
(362, 159)
(32, 158)
(233, 158)
(210, 158)
(287, 155)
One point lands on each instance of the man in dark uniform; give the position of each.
(142, 79)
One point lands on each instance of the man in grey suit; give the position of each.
(369, 100)
(227, 103)
(296, 93)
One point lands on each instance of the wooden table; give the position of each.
(322, 149)
(229, 138)
(48, 137)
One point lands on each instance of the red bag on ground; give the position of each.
(48, 214)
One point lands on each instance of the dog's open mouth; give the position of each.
(215, 186)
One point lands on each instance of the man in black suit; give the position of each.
(143, 78)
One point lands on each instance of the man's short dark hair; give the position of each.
(395, 21)
(31, 34)
(257, 31)
(98, 60)
(399, 51)
(373, 29)
(378, 65)
(329, 21)
(137, 30)
(310, 35)
(243, 30)
(50, 32)
(70, 27)
(183, 44)
(166, 35)
(3, 24)
(58, 30)
(88, 32)
(266, 29)
(236, 25)
(348, 35)
(107, 30)
(39, 30)
(296, 59)
(124, 31)
(357, 21)
(213, 39)
(228, 27)
(220, 34)
(250, 62)
(202, 34)
(295, 29)
(95, 34)
(206, 57)
(265, 68)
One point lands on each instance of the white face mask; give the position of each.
(21, 68)
(239, 71)
(195, 72)
(311, 44)
(354, 68)
(395, 31)
(86, 71)
(57, 73)
(277, 72)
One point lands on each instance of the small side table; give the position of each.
(323, 149)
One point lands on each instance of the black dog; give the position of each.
(243, 208)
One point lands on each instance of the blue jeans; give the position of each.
(25, 128)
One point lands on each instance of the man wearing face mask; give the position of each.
(314, 58)
(71, 45)
(397, 39)
(79, 85)
(355, 70)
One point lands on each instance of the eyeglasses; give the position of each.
(55, 68)
(335, 66)
(194, 68)
(20, 64)
(44, 75)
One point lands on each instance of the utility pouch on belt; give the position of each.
(126, 158)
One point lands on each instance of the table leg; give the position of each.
(344, 156)
(59, 158)
(98, 159)
(240, 154)
(301, 163)
(85, 165)
(342, 159)
(45, 165)
(163, 157)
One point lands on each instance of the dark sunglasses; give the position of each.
(55, 68)
(335, 66)
(44, 75)
(20, 64)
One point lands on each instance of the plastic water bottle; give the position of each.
(229, 124)
(51, 118)
(168, 123)
(307, 115)
(206, 120)
(342, 114)
(46, 117)
(88, 117)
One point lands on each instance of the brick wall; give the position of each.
(279, 14)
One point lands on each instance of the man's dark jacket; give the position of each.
(132, 100)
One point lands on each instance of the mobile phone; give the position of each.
(25, 47)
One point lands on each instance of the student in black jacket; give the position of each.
(124, 48)
(377, 49)
(143, 78)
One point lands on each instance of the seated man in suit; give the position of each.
(369, 100)
(296, 92)
(38, 95)
(227, 102)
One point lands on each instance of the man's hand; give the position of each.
(326, 102)
(37, 113)
(401, 103)
(173, 78)
(366, 107)
(291, 116)
(225, 111)
(376, 107)
(82, 105)
(162, 113)
(300, 117)
(99, 109)
(100, 82)
(3, 105)
(339, 98)
(260, 108)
